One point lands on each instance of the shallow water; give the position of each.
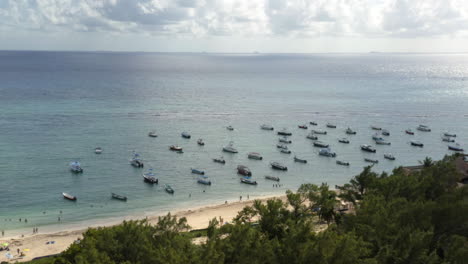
(56, 107)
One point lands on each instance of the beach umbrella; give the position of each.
(5, 244)
(26, 249)
(8, 255)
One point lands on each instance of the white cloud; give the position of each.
(266, 18)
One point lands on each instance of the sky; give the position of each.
(235, 25)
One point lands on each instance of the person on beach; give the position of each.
(3, 232)
(25, 220)
(59, 218)
(240, 198)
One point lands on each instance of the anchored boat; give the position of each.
(416, 143)
(455, 147)
(367, 148)
(219, 160)
(296, 159)
(320, 132)
(320, 144)
(200, 142)
(168, 189)
(327, 152)
(302, 126)
(248, 180)
(371, 160)
(284, 132)
(195, 171)
(266, 127)
(150, 177)
(343, 140)
(175, 148)
(349, 131)
(255, 155)
(69, 196)
(424, 128)
(119, 197)
(389, 156)
(98, 150)
(202, 179)
(278, 166)
(330, 125)
(272, 178)
(186, 135)
(229, 148)
(75, 166)
(343, 163)
(244, 170)
(152, 134)
(312, 136)
(284, 140)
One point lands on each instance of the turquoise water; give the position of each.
(56, 107)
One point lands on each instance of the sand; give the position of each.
(36, 245)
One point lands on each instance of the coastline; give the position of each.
(197, 218)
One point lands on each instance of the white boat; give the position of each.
(320, 132)
(312, 136)
(175, 148)
(278, 166)
(255, 155)
(382, 142)
(248, 180)
(385, 132)
(266, 127)
(98, 150)
(150, 177)
(75, 166)
(136, 161)
(367, 148)
(230, 128)
(285, 150)
(202, 179)
(284, 140)
(455, 147)
(229, 148)
(343, 140)
(416, 143)
(152, 134)
(330, 125)
(327, 152)
(447, 134)
(200, 142)
(320, 144)
(424, 128)
(349, 131)
(284, 132)
(281, 146)
(186, 135)
(389, 156)
(69, 196)
(376, 137)
(448, 139)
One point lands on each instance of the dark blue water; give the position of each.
(56, 107)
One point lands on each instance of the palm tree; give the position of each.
(427, 162)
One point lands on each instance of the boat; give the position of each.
(285, 150)
(302, 126)
(343, 140)
(382, 142)
(416, 143)
(349, 131)
(255, 155)
(230, 128)
(321, 144)
(175, 148)
(248, 180)
(202, 179)
(455, 147)
(385, 132)
(150, 177)
(272, 178)
(219, 160)
(313, 123)
(266, 127)
(371, 160)
(284, 140)
(284, 132)
(376, 128)
(329, 125)
(448, 139)
(327, 152)
(229, 148)
(200, 142)
(344, 163)
(136, 161)
(278, 166)
(320, 132)
(367, 148)
(98, 150)
(409, 132)
(186, 135)
(119, 197)
(244, 170)
(168, 189)
(281, 146)
(152, 134)
(312, 136)
(377, 137)
(447, 134)
(195, 171)
(75, 166)
(296, 159)
(389, 156)
(69, 196)
(424, 128)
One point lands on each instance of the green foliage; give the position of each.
(419, 217)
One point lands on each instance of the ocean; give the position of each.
(56, 107)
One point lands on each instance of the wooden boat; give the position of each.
(285, 151)
(219, 160)
(448, 139)
(284, 140)
(195, 171)
(455, 147)
(272, 178)
(320, 144)
(244, 170)
(296, 159)
(204, 180)
(284, 132)
(409, 132)
(382, 142)
(367, 148)
(175, 148)
(371, 160)
(150, 177)
(278, 166)
(230, 128)
(119, 197)
(266, 127)
(152, 134)
(168, 189)
(327, 152)
(320, 132)
(313, 123)
(186, 135)
(312, 136)
(447, 134)
(389, 156)
(349, 131)
(416, 143)
(343, 140)
(281, 146)
(423, 128)
(69, 196)
(200, 142)
(385, 132)
(376, 128)
(302, 126)
(329, 125)
(343, 163)
(248, 180)
(255, 155)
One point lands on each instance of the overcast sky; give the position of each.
(236, 25)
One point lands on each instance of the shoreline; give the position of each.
(197, 217)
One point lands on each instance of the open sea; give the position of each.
(56, 107)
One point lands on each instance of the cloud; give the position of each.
(285, 18)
